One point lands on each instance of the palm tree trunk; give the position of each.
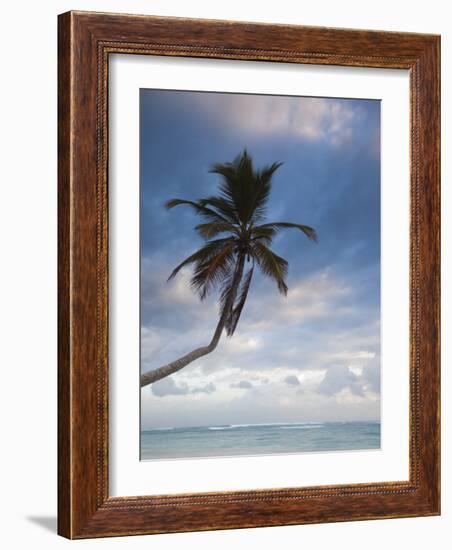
(175, 366)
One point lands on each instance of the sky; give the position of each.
(311, 356)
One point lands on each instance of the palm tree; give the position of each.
(236, 215)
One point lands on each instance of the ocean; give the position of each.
(258, 439)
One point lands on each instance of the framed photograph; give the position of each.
(248, 275)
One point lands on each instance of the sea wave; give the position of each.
(302, 427)
(282, 425)
(219, 427)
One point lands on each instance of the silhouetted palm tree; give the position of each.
(237, 213)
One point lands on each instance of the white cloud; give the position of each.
(292, 380)
(173, 386)
(251, 376)
(207, 388)
(241, 343)
(372, 374)
(154, 276)
(168, 386)
(313, 119)
(315, 297)
(271, 402)
(242, 385)
(338, 378)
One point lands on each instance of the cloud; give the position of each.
(312, 119)
(337, 378)
(292, 380)
(317, 325)
(331, 314)
(243, 385)
(346, 381)
(272, 403)
(167, 386)
(155, 270)
(240, 343)
(321, 295)
(372, 374)
(208, 388)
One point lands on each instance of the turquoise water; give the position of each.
(256, 439)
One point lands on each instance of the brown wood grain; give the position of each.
(85, 508)
(64, 296)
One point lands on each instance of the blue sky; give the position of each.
(313, 355)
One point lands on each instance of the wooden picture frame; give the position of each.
(85, 42)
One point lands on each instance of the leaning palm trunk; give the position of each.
(175, 366)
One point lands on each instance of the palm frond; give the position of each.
(223, 205)
(208, 274)
(229, 185)
(271, 265)
(237, 212)
(261, 233)
(263, 185)
(206, 213)
(306, 229)
(204, 254)
(242, 186)
(212, 229)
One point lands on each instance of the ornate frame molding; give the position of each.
(85, 42)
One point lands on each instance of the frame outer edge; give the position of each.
(427, 235)
(82, 509)
(64, 278)
(438, 175)
(432, 130)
